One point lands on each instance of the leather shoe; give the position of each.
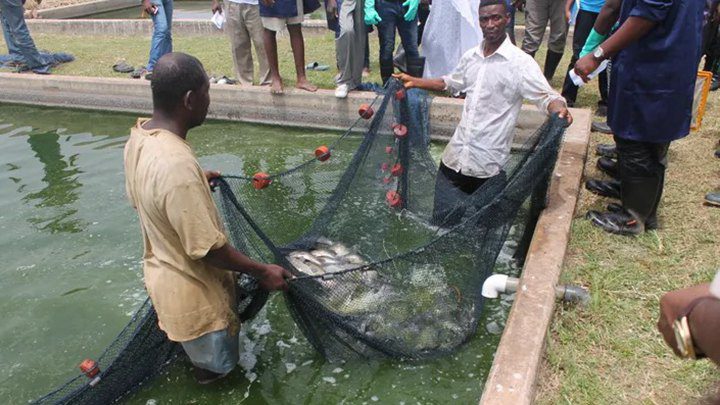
(619, 223)
(713, 199)
(606, 149)
(608, 166)
(601, 127)
(605, 188)
(650, 225)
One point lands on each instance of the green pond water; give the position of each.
(71, 276)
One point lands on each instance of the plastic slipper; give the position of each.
(123, 67)
(138, 73)
(322, 68)
(311, 66)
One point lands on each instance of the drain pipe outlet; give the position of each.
(500, 284)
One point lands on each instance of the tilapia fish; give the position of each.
(325, 257)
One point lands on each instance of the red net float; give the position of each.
(387, 180)
(393, 199)
(396, 170)
(90, 368)
(366, 111)
(400, 130)
(384, 166)
(400, 95)
(322, 153)
(388, 149)
(261, 180)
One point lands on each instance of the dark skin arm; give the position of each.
(631, 31)
(331, 8)
(608, 16)
(270, 276)
(411, 82)
(216, 6)
(704, 320)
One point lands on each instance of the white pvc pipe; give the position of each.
(495, 285)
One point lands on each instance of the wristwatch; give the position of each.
(599, 53)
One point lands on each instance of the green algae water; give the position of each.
(71, 273)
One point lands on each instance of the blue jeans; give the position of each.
(162, 35)
(17, 37)
(392, 13)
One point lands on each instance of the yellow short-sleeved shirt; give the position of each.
(180, 225)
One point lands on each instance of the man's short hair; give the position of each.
(486, 3)
(174, 75)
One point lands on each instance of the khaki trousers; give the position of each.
(537, 15)
(350, 44)
(243, 25)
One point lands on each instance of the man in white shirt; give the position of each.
(496, 76)
(243, 25)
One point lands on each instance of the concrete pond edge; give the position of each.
(513, 376)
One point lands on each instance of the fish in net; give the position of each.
(377, 271)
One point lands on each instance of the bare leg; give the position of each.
(297, 44)
(272, 56)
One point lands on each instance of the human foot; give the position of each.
(276, 87)
(303, 84)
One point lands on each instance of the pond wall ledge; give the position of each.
(254, 104)
(77, 10)
(513, 376)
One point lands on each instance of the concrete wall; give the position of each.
(93, 7)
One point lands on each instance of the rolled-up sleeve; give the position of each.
(653, 10)
(535, 88)
(193, 216)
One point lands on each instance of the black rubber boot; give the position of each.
(650, 224)
(620, 223)
(609, 188)
(552, 60)
(416, 66)
(607, 150)
(601, 127)
(608, 166)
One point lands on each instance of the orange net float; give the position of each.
(393, 199)
(366, 111)
(400, 95)
(322, 153)
(90, 368)
(261, 180)
(400, 131)
(396, 170)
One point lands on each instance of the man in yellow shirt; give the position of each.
(188, 265)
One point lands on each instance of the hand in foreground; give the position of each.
(216, 7)
(273, 278)
(560, 108)
(672, 304)
(372, 17)
(408, 81)
(331, 8)
(586, 65)
(149, 8)
(211, 175)
(412, 6)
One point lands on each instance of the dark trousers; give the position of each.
(392, 13)
(452, 190)
(641, 167)
(711, 47)
(583, 25)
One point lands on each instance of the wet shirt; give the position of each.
(496, 86)
(180, 225)
(652, 80)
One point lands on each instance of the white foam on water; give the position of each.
(330, 380)
(282, 344)
(307, 363)
(337, 370)
(151, 402)
(289, 367)
(374, 398)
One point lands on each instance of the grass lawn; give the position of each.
(608, 352)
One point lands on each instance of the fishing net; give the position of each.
(380, 271)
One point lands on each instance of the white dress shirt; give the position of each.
(495, 87)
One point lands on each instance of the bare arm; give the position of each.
(271, 277)
(608, 16)
(568, 9)
(411, 82)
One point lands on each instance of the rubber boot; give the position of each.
(651, 223)
(552, 60)
(608, 166)
(416, 66)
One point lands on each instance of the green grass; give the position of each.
(96, 55)
(608, 352)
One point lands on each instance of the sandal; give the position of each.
(122, 67)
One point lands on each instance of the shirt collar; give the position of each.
(504, 50)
